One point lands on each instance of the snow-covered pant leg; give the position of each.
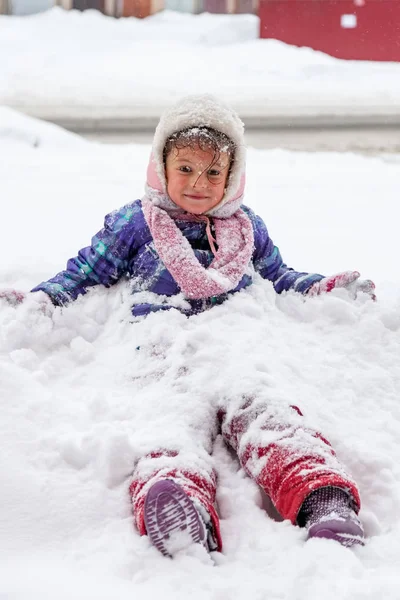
(197, 479)
(286, 458)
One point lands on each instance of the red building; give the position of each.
(352, 29)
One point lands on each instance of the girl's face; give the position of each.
(194, 181)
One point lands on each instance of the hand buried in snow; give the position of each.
(12, 297)
(15, 298)
(350, 280)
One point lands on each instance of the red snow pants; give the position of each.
(285, 458)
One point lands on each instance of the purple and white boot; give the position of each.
(173, 522)
(329, 513)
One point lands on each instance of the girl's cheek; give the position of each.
(183, 179)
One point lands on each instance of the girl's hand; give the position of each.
(15, 298)
(350, 280)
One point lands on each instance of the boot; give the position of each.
(329, 513)
(172, 520)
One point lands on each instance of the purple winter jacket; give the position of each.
(124, 248)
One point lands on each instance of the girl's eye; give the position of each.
(214, 172)
(185, 169)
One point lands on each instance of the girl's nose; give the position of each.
(200, 179)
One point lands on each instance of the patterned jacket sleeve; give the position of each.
(103, 262)
(268, 262)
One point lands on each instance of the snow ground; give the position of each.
(79, 402)
(86, 63)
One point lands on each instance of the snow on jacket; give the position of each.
(124, 248)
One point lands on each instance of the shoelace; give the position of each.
(202, 219)
(211, 239)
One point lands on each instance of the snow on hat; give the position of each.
(199, 111)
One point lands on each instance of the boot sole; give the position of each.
(171, 519)
(347, 533)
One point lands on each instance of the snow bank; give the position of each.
(21, 129)
(83, 392)
(63, 61)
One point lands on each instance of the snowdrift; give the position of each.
(84, 391)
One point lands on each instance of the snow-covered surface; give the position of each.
(72, 63)
(79, 401)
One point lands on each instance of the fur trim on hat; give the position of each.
(199, 111)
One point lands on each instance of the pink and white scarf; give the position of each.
(235, 240)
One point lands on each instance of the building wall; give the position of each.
(349, 29)
(113, 7)
(28, 7)
(4, 7)
(141, 8)
(190, 6)
(67, 4)
(137, 8)
(89, 4)
(230, 6)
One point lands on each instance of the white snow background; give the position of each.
(59, 59)
(79, 401)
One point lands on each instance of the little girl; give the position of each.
(190, 243)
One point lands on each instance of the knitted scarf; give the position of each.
(235, 240)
